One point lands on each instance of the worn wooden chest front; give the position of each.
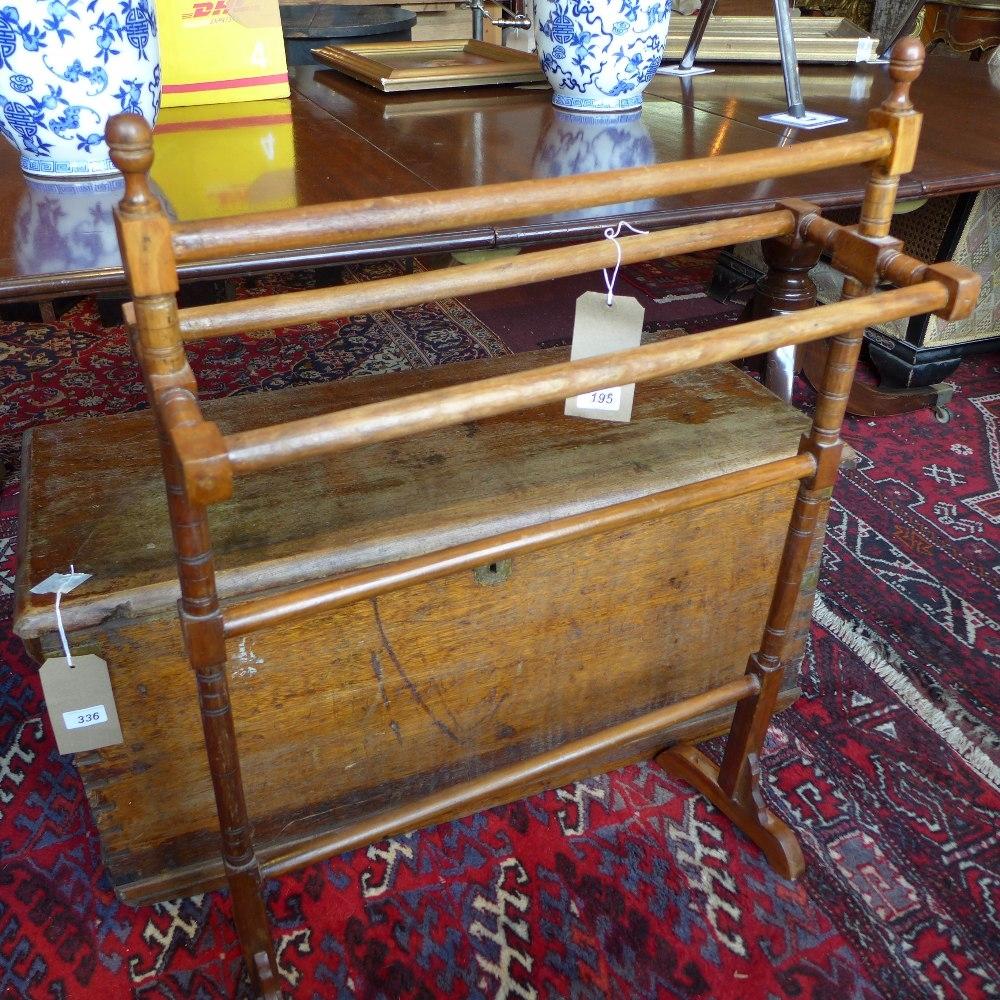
(364, 708)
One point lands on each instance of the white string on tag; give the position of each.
(613, 234)
(59, 622)
(59, 584)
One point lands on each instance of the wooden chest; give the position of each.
(357, 710)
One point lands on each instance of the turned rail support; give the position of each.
(736, 786)
(211, 461)
(144, 233)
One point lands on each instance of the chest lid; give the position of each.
(93, 496)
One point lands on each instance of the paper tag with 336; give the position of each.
(80, 703)
(80, 718)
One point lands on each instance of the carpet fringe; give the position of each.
(869, 646)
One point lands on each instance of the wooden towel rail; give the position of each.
(253, 451)
(201, 463)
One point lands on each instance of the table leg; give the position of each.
(779, 373)
(785, 288)
(42, 311)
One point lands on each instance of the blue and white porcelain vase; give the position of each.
(599, 55)
(66, 67)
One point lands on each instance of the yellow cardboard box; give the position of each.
(220, 51)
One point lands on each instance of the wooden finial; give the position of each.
(130, 140)
(905, 64)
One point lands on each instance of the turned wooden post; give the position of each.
(736, 788)
(737, 773)
(145, 238)
(785, 288)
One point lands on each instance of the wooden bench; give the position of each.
(433, 592)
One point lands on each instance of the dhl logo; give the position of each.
(220, 8)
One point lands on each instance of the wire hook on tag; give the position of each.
(612, 234)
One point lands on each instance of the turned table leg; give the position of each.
(785, 288)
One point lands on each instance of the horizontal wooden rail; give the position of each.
(291, 308)
(268, 447)
(427, 212)
(263, 612)
(525, 777)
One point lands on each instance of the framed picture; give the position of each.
(398, 67)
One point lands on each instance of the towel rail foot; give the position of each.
(751, 815)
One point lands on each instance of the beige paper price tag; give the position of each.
(80, 703)
(603, 329)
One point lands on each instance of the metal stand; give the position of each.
(512, 19)
(686, 66)
(796, 115)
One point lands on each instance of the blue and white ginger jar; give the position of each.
(599, 55)
(66, 67)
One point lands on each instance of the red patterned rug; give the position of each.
(626, 885)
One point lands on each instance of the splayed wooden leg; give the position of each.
(748, 811)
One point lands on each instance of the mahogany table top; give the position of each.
(336, 138)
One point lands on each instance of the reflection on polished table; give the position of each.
(337, 139)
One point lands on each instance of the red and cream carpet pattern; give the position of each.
(626, 885)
